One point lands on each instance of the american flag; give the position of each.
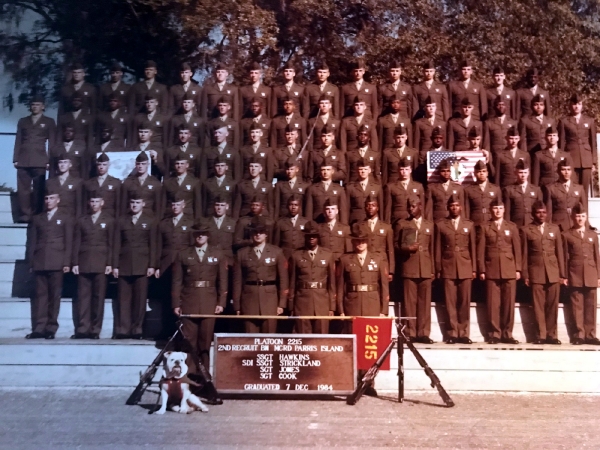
(461, 165)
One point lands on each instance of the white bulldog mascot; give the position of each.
(175, 391)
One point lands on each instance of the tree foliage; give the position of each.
(39, 39)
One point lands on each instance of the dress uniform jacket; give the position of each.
(188, 269)
(88, 96)
(419, 264)
(160, 129)
(151, 192)
(30, 142)
(194, 158)
(265, 157)
(120, 125)
(210, 97)
(381, 241)
(457, 139)
(312, 94)
(386, 127)
(372, 158)
(317, 128)
(422, 133)
(196, 125)
(71, 194)
(283, 191)
(391, 159)
(498, 251)
(243, 236)
(173, 239)
(356, 198)
(191, 191)
(337, 239)
(545, 166)
(233, 138)
(517, 203)
(475, 92)
(386, 93)
(231, 154)
(532, 133)
(578, 140)
(80, 159)
(221, 237)
(296, 93)
(106, 90)
(247, 94)
(524, 97)
(349, 132)
(83, 126)
(395, 197)
(158, 168)
(455, 249)
(263, 122)
(134, 250)
(559, 202)
(371, 276)
(505, 165)
(272, 267)
(304, 300)
(315, 199)
(244, 193)
(437, 199)
(349, 92)
(494, 133)
(177, 92)
(110, 191)
(337, 158)
(543, 258)
(280, 157)
(50, 242)
(509, 97)
(93, 243)
(278, 126)
(582, 258)
(210, 191)
(137, 97)
(438, 94)
(477, 202)
(287, 236)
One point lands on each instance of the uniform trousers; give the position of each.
(130, 308)
(584, 303)
(199, 335)
(88, 308)
(500, 295)
(316, 326)
(584, 177)
(457, 294)
(30, 190)
(45, 304)
(545, 308)
(260, 326)
(417, 302)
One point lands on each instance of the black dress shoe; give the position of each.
(451, 340)
(539, 342)
(425, 340)
(553, 341)
(509, 341)
(577, 341)
(120, 336)
(49, 336)
(137, 337)
(464, 340)
(35, 335)
(592, 341)
(493, 340)
(94, 336)
(79, 336)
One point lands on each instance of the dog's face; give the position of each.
(174, 364)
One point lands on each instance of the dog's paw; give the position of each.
(203, 408)
(175, 408)
(184, 410)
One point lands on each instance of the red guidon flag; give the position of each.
(373, 335)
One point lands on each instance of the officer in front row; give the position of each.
(199, 287)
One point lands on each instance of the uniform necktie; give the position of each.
(466, 84)
(311, 253)
(258, 252)
(331, 224)
(255, 183)
(361, 259)
(577, 120)
(429, 83)
(523, 188)
(255, 120)
(180, 180)
(395, 117)
(581, 233)
(455, 223)
(502, 120)
(287, 119)
(400, 152)
(553, 153)
(322, 86)
(540, 119)
(431, 121)
(219, 181)
(49, 215)
(372, 225)
(219, 221)
(363, 185)
(445, 186)
(294, 221)
(175, 220)
(291, 184)
(134, 219)
(534, 89)
(542, 229)
(566, 185)
(201, 254)
(405, 184)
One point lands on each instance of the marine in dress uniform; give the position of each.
(430, 91)
(499, 265)
(501, 93)
(364, 153)
(520, 196)
(478, 196)
(116, 119)
(291, 150)
(458, 128)
(226, 151)
(352, 122)
(69, 188)
(323, 117)
(246, 190)
(505, 162)
(357, 191)
(359, 86)
(292, 185)
(134, 261)
(334, 234)
(256, 89)
(290, 118)
(562, 196)
(185, 86)
(532, 127)
(466, 87)
(260, 281)
(158, 122)
(257, 150)
(92, 262)
(425, 126)
(395, 89)
(221, 228)
(456, 265)
(319, 192)
(187, 147)
(545, 162)
(105, 185)
(199, 287)
(219, 185)
(35, 134)
(496, 127)
(80, 120)
(243, 229)
(49, 253)
(188, 119)
(223, 119)
(381, 234)
(256, 116)
(145, 133)
(578, 139)
(393, 155)
(77, 84)
(312, 283)
(115, 88)
(543, 269)
(583, 276)
(80, 160)
(185, 185)
(388, 123)
(413, 238)
(396, 194)
(289, 89)
(438, 194)
(526, 94)
(288, 232)
(143, 184)
(336, 158)
(313, 92)
(138, 92)
(215, 89)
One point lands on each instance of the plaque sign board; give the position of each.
(285, 363)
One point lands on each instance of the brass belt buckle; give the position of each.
(363, 287)
(314, 285)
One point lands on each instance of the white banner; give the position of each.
(122, 164)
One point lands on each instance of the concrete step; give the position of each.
(12, 253)
(13, 234)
